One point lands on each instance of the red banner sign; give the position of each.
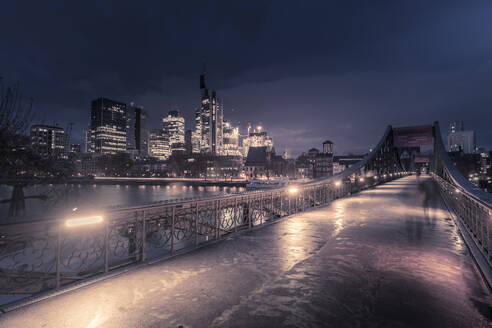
(412, 136)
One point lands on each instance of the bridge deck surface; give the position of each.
(372, 259)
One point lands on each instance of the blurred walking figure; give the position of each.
(425, 191)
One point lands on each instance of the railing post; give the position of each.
(133, 251)
(106, 246)
(144, 254)
(289, 198)
(217, 219)
(273, 210)
(196, 225)
(172, 231)
(58, 254)
(249, 213)
(296, 205)
(296, 208)
(236, 214)
(281, 203)
(262, 209)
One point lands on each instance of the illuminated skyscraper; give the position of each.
(159, 144)
(460, 139)
(196, 135)
(216, 132)
(108, 126)
(257, 138)
(173, 126)
(208, 137)
(48, 140)
(230, 145)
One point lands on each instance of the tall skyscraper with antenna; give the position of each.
(208, 135)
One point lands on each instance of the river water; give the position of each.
(62, 199)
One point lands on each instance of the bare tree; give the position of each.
(15, 113)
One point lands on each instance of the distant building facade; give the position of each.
(320, 164)
(159, 144)
(257, 138)
(85, 164)
(76, 148)
(460, 139)
(341, 163)
(108, 127)
(173, 126)
(136, 130)
(230, 146)
(188, 142)
(47, 140)
(257, 162)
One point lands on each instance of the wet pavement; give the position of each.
(370, 260)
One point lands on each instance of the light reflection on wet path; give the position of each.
(370, 260)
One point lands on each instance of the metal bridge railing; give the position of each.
(45, 254)
(472, 205)
(475, 215)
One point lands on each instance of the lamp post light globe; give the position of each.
(292, 190)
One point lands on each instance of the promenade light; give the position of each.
(384, 175)
(292, 190)
(337, 183)
(457, 190)
(77, 222)
(361, 179)
(375, 177)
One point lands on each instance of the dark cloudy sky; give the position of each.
(306, 70)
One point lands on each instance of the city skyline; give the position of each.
(192, 126)
(369, 66)
(256, 163)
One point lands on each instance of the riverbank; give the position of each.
(127, 181)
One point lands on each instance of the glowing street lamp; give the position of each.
(77, 222)
(292, 190)
(361, 179)
(337, 183)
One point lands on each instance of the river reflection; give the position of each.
(63, 198)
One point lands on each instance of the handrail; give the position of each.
(338, 177)
(472, 205)
(46, 254)
(454, 175)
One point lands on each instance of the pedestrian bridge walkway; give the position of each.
(375, 258)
